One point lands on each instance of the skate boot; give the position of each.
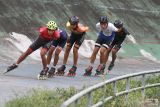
(110, 67)
(43, 74)
(88, 71)
(11, 67)
(60, 71)
(72, 71)
(51, 72)
(100, 70)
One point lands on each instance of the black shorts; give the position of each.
(103, 41)
(119, 38)
(39, 42)
(116, 44)
(60, 43)
(55, 43)
(76, 38)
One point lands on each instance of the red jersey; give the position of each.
(44, 34)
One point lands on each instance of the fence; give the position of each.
(88, 92)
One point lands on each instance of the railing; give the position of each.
(74, 99)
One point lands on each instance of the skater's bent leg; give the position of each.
(102, 55)
(93, 56)
(66, 54)
(106, 55)
(43, 57)
(114, 54)
(56, 56)
(50, 53)
(24, 55)
(75, 54)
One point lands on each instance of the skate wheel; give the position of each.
(96, 74)
(50, 76)
(71, 75)
(40, 77)
(68, 74)
(86, 75)
(44, 78)
(59, 74)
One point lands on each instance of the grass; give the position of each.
(54, 98)
(42, 98)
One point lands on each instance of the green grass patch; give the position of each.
(54, 98)
(42, 98)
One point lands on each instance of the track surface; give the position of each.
(24, 78)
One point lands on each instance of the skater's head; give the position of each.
(118, 24)
(51, 25)
(103, 20)
(74, 20)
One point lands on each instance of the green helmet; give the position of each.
(52, 25)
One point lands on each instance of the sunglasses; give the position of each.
(51, 29)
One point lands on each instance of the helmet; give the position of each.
(118, 23)
(103, 19)
(52, 25)
(74, 20)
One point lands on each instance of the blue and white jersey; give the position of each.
(105, 36)
(108, 31)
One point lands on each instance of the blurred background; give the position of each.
(21, 19)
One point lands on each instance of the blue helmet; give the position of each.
(103, 19)
(118, 23)
(74, 20)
